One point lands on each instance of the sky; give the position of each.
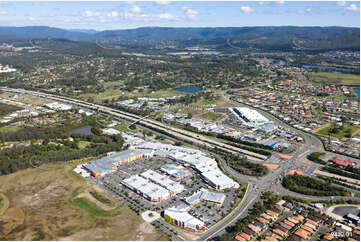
(107, 15)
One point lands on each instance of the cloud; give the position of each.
(264, 3)
(352, 7)
(281, 2)
(190, 13)
(130, 1)
(136, 9)
(113, 14)
(341, 3)
(163, 2)
(168, 16)
(3, 13)
(32, 18)
(247, 9)
(308, 10)
(89, 13)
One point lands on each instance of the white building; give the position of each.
(206, 195)
(178, 216)
(218, 180)
(250, 116)
(147, 189)
(111, 131)
(173, 186)
(59, 106)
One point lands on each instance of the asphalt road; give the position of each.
(256, 185)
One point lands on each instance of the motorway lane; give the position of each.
(184, 134)
(311, 144)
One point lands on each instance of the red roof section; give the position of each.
(341, 162)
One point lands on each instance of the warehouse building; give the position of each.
(173, 186)
(108, 164)
(250, 116)
(178, 216)
(147, 189)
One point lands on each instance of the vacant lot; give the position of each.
(336, 78)
(57, 204)
(342, 132)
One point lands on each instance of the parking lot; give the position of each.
(206, 211)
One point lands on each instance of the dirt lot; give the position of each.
(57, 204)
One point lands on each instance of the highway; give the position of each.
(256, 185)
(180, 133)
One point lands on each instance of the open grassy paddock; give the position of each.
(57, 204)
(341, 134)
(336, 78)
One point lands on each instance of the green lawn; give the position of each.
(211, 115)
(9, 129)
(93, 210)
(83, 144)
(336, 78)
(340, 134)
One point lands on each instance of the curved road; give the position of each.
(256, 185)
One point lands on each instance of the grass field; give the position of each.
(83, 144)
(55, 204)
(336, 78)
(6, 129)
(342, 132)
(111, 93)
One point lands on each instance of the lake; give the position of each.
(325, 68)
(357, 90)
(189, 89)
(86, 130)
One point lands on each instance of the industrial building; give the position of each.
(205, 195)
(178, 216)
(108, 164)
(250, 116)
(147, 189)
(173, 186)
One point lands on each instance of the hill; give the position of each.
(285, 37)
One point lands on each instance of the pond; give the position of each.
(86, 130)
(189, 89)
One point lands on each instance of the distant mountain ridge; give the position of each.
(244, 36)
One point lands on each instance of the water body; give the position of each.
(357, 90)
(86, 130)
(325, 68)
(190, 89)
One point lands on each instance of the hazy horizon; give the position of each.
(133, 14)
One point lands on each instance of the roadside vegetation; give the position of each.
(266, 201)
(310, 186)
(337, 171)
(315, 157)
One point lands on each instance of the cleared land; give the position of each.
(58, 204)
(336, 78)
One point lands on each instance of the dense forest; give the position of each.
(54, 146)
(310, 186)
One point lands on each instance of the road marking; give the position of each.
(303, 153)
